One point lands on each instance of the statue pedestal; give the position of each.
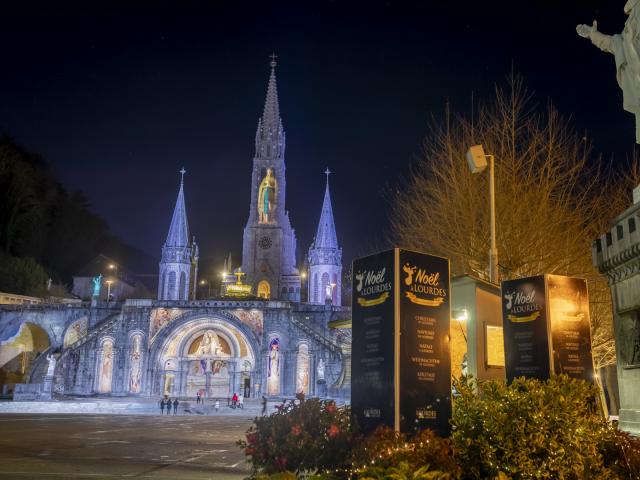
(617, 255)
(47, 388)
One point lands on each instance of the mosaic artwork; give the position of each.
(252, 318)
(76, 331)
(160, 318)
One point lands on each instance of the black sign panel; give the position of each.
(568, 304)
(425, 361)
(526, 340)
(372, 360)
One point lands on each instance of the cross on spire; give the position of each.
(273, 62)
(182, 172)
(327, 172)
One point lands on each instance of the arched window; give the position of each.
(182, 295)
(325, 284)
(315, 288)
(264, 290)
(171, 287)
(163, 288)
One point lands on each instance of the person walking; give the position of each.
(217, 405)
(175, 406)
(162, 406)
(241, 401)
(264, 405)
(234, 400)
(198, 397)
(168, 406)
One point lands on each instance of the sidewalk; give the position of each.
(133, 406)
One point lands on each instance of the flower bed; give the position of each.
(527, 430)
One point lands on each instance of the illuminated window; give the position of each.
(264, 290)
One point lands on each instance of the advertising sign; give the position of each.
(425, 360)
(546, 327)
(526, 336)
(401, 366)
(568, 301)
(372, 348)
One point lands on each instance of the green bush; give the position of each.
(527, 430)
(530, 429)
(389, 454)
(303, 435)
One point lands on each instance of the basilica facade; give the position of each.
(257, 339)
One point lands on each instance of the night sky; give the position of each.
(118, 98)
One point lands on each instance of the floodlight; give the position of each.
(476, 159)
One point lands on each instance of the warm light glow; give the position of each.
(109, 282)
(461, 315)
(223, 274)
(112, 266)
(203, 282)
(303, 275)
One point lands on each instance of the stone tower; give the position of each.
(325, 258)
(179, 261)
(269, 242)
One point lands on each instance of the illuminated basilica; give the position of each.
(256, 338)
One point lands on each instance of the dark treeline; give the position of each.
(45, 231)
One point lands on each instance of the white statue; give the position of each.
(626, 49)
(52, 365)
(209, 345)
(320, 369)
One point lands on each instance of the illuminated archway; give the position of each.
(18, 350)
(264, 290)
(211, 356)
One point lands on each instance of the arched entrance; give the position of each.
(209, 356)
(18, 352)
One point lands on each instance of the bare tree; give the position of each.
(552, 200)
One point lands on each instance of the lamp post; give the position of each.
(113, 266)
(303, 277)
(208, 284)
(477, 161)
(108, 282)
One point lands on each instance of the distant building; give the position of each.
(255, 339)
(123, 283)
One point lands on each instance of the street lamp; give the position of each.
(206, 282)
(113, 266)
(477, 161)
(108, 282)
(303, 289)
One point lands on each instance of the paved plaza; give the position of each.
(62, 446)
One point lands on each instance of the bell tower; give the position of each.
(269, 242)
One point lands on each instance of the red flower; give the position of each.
(249, 451)
(281, 464)
(330, 407)
(333, 431)
(252, 438)
(296, 430)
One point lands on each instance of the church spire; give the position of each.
(326, 235)
(325, 258)
(270, 137)
(179, 230)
